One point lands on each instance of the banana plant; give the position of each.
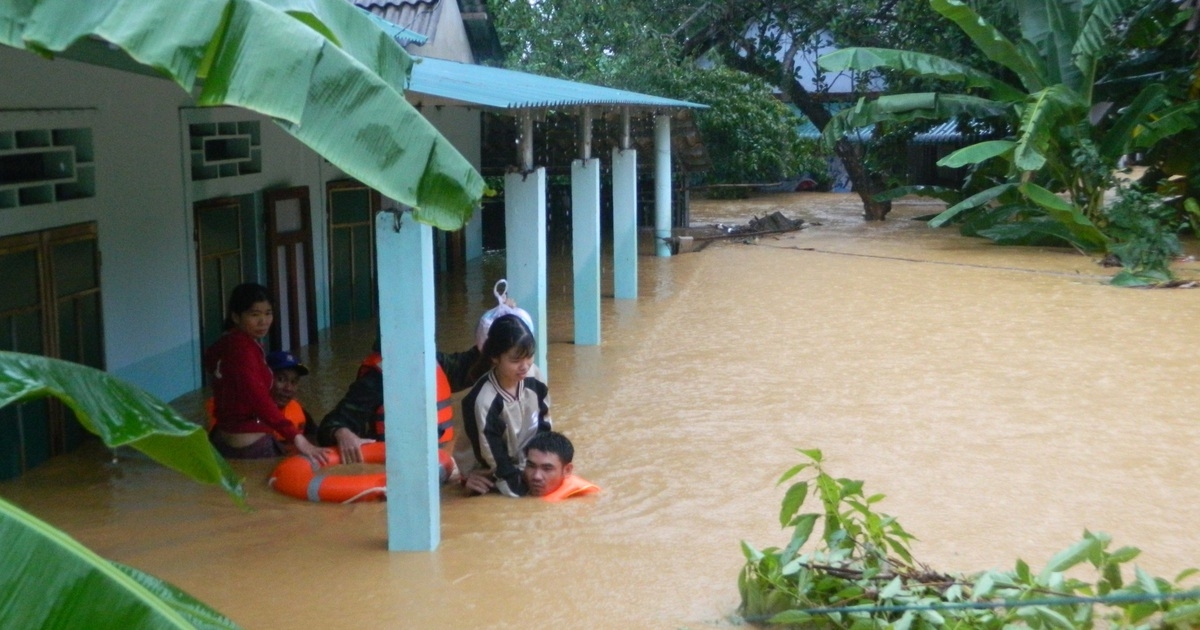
(1047, 95)
(321, 68)
(50, 580)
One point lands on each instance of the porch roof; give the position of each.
(457, 83)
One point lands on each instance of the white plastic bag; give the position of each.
(504, 306)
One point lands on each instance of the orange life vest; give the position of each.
(445, 408)
(572, 486)
(292, 411)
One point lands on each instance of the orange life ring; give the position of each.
(299, 477)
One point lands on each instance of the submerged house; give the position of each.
(128, 211)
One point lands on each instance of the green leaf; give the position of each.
(792, 500)
(121, 414)
(1068, 558)
(1120, 136)
(49, 580)
(990, 41)
(949, 195)
(974, 201)
(1124, 554)
(920, 65)
(803, 527)
(812, 453)
(1164, 124)
(1083, 231)
(791, 472)
(1184, 616)
(892, 588)
(908, 107)
(983, 586)
(1053, 618)
(976, 153)
(321, 68)
(1039, 118)
(1185, 574)
(752, 554)
(794, 617)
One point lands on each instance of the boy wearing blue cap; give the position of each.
(288, 370)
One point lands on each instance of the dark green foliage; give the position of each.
(861, 574)
(1144, 233)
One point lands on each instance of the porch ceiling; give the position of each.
(501, 89)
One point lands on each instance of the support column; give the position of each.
(525, 250)
(406, 325)
(625, 229)
(473, 233)
(662, 185)
(585, 249)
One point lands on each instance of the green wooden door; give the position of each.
(49, 305)
(352, 292)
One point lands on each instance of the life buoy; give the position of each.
(300, 477)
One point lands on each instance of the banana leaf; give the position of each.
(1174, 120)
(976, 153)
(942, 193)
(1030, 233)
(1083, 232)
(918, 64)
(991, 42)
(49, 580)
(1038, 124)
(320, 68)
(120, 413)
(974, 201)
(1117, 139)
(906, 107)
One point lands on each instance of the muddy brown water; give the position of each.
(1002, 399)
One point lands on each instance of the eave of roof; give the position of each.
(503, 89)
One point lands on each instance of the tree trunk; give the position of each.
(866, 183)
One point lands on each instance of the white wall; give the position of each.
(143, 204)
(144, 197)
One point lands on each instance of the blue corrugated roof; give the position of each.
(510, 89)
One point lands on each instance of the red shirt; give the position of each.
(241, 387)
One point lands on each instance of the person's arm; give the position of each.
(355, 411)
(457, 366)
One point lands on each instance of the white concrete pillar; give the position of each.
(525, 250)
(406, 325)
(625, 229)
(662, 185)
(585, 249)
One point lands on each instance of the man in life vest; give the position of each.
(358, 417)
(549, 472)
(287, 370)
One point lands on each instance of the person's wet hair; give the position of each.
(507, 332)
(243, 298)
(554, 443)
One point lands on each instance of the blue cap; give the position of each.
(282, 360)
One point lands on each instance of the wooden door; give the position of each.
(353, 295)
(218, 238)
(49, 305)
(290, 267)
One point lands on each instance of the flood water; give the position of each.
(1004, 399)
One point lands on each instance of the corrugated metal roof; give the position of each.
(399, 33)
(420, 16)
(502, 89)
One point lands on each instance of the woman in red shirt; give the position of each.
(246, 415)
